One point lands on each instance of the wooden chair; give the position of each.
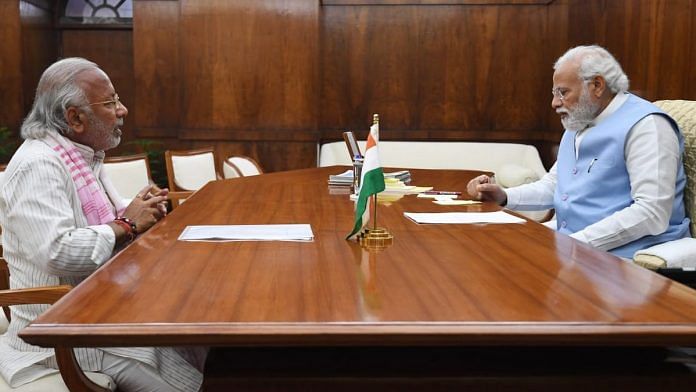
(241, 166)
(129, 174)
(71, 377)
(188, 171)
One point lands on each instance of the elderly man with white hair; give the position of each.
(62, 219)
(618, 181)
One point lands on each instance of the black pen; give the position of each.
(591, 163)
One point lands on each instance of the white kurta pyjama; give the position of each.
(47, 241)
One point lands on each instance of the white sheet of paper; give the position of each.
(436, 196)
(291, 232)
(463, 217)
(453, 202)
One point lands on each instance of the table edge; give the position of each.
(360, 333)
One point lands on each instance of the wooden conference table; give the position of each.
(516, 288)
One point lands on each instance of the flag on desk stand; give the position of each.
(371, 182)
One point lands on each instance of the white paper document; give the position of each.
(293, 232)
(463, 217)
(453, 202)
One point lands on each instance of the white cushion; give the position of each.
(127, 177)
(245, 166)
(193, 171)
(54, 383)
(512, 174)
(228, 171)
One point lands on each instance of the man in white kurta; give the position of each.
(48, 238)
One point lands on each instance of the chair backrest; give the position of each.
(244, 166)
(129, 174)
(229, 170)
(189, 170)
(684, 113)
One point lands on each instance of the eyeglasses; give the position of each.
(111, 104)
(560, 93)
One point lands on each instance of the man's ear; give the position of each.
(600, 86)
(75, 119)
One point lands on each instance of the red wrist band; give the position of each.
(128, 226)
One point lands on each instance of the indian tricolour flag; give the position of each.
(371, 182)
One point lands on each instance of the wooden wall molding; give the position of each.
(233, 135)
(510, 135)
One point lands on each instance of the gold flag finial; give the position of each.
(375, 118)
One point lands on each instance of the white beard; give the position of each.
(103, 136)
(582, 115)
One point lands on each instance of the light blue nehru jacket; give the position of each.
(596, 184)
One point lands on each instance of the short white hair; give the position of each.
(56, 92)
(596, 61)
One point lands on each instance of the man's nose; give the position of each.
(122, 110)
(556, 102)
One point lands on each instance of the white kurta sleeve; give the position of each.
(41, 209)
(535, 196)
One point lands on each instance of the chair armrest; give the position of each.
(176, 197)
(36, 295)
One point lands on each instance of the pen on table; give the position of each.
(591, 163)
(442, 193)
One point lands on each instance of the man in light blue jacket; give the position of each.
(618, 181)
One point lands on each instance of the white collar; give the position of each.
(616, 102)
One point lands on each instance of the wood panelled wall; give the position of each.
(241, 74)
(112, 49)
(10, 65)
(27, 46)
(270, 79)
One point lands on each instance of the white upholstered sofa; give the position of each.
(512, 163)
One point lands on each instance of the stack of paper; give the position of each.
(393, 185)
(403, 175)
(343, 179)
(292, 232)
(346, 178)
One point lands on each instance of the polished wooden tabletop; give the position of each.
(481, 284)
